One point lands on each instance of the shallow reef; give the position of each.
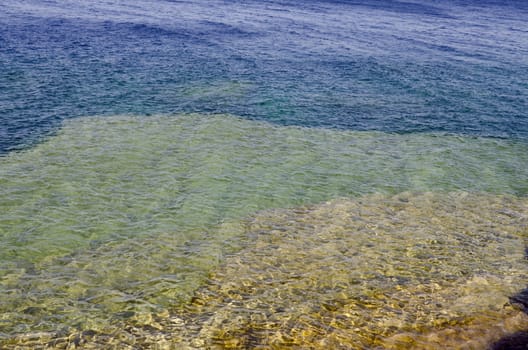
(410, 271)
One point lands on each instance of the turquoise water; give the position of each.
(101, 177)
(232, 175)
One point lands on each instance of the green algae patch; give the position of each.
(117, 217)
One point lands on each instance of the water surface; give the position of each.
(262, 173)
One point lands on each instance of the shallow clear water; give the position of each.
(122, 216)
(380, 271)
(274, 174)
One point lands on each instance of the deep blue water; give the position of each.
(415, 66)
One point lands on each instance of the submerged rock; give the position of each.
(521, 299)
(411, 271)
(516, 341)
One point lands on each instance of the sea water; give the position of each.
(262, 174)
